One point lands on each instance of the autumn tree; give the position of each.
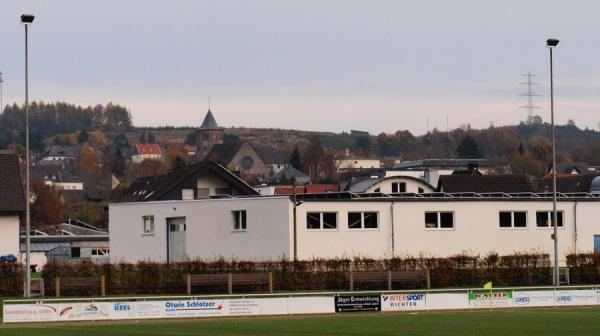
(295, 159)
(117, 164)
(175, 159)
(88, 160)
(83, 136)
(147, 138)
(317, 162)
(363, 143)
(468, 149)
(46, 208)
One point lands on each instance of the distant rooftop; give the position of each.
(441, 164)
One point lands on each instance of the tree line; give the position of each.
(50, 119)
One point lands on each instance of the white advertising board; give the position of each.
(30, 312)
(123, 310)
(576, 297)
(533, 298)
(399, 302)
(447, 301)
(93, 311)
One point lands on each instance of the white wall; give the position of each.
(344, 242)
(588, 224)
(476, 229)
(9, 235)
(270, 235)
(209, 232)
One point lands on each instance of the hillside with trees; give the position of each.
(106, 132)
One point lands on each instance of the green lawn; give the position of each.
(507, 322)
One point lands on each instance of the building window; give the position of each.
(544, 219)
(203, 192)
(75, 252)
(513, 219)
(148, 222)
(239, 220)
(321, 220)
(100, 252)
(398, 187)
(362, 220)
(247, 163)
(439, 220)
(187, 194)
(421, 190)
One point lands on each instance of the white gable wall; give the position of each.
(209, 231)
(9, 235)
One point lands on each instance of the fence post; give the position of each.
(230, 283)
(103, 285)
(428, 278)
(270, 282)
(351, 281)
(389, 278)
(57, 286)
(189, 284)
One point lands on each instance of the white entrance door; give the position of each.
(176, 227)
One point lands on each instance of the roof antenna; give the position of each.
(208, 103)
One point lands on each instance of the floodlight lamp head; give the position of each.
(27, 18)
(551, 43)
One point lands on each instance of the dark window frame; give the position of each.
(437, 222)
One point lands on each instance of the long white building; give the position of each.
(351, 225)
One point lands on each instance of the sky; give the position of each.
(377, 66)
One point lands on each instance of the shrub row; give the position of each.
(317, 274)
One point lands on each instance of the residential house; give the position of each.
(12, 202)
(430, 170)
(57, 176)
(201, 180)
(146, 152)
(289, 173)
(60, 155)
(273, 160)
(350, 163)
(392, 184)
(576, 183)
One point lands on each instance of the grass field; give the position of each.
(506, 322)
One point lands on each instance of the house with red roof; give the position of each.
(146, 152)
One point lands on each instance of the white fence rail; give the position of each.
(123, 308)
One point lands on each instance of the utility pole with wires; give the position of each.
(530, 95)
(1, 98)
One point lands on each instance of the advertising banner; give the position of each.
(396, 302)
(576, 297)
(29, 312)
(533, 298)
(494, 298)
(357, 303)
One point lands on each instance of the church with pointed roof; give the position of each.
(208, 135)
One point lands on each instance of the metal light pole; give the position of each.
(27, 20)
(551, 43)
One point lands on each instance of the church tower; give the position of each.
(208, 135)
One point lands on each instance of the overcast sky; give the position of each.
(370, 65)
